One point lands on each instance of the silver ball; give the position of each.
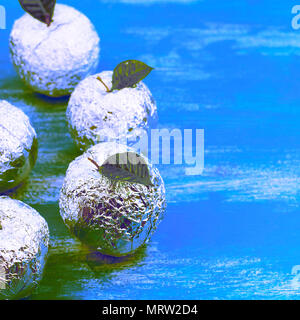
(52, 60)
(95, 115)
(24, 238)
(18, 146)
(113, 217)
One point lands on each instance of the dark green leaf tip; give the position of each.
(41, 10)
(129, 73)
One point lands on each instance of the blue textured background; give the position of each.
(231, 68)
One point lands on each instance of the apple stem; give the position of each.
(48, 20)
(95, 163)
(106, 87)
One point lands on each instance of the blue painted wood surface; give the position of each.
(231, 68)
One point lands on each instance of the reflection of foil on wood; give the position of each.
(24, 239)
(114, 217)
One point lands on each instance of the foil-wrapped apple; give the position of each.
(24, 239)
(53, 47)
(112, 106)
(18, 146)
(112, 199)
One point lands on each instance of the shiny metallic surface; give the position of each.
(52, 60)
(18, 146)
(24, 239)
(114, 217)
(95, 115)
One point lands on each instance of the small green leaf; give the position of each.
(121, 167)
(41, 10)
(128, 73)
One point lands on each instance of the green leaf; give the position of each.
(41, 10)
(125, 167)
(128, 73)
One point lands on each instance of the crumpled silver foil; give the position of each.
(24, 239)
(18, 146)
(52, 60)
(112, 217)
(97, 116)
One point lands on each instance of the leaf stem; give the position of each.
(106, 87)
